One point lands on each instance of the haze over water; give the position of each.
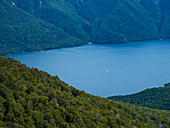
(106, 70)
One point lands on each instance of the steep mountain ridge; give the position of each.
(100, 21)
(82, 21)
(20, 31)
(30, 98)
(165, 18)
(57, 12)
(120, 20)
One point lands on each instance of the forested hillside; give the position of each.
(165, 19)
(20, 31)
(33, 98)
(46, 24)
(121, 20)
(157, 98)
(110, 21)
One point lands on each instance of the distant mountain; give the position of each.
(116, 21)
(109, 21)
(20, 31)
(62, 23)
(30, 98)
(60, 13)
(165, 19)
(157, 98)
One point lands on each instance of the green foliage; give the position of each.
(120, 20)
(99, 21)
(20, 31)
(165, 24)
(33, 98)
(34, 25)
(167, 84)
(157, 98)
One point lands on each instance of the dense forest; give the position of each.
(34, 25)
(32, 98)
(20, 31)
(157, 98)
(164, 29)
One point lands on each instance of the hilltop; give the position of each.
(157, 98)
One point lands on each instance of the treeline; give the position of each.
(157, 98)
(31, 98)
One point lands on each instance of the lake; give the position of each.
(106, 69)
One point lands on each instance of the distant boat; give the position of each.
(90, 43)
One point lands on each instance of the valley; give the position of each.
(84, 63)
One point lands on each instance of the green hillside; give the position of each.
(20, 31)
(121, 20)
(32, 25)
(31, 98)
(60, 13)
(157, 98)
(110, 21)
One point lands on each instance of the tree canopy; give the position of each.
(32, 98)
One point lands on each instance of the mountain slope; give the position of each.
(59, 13)
(165, 25)
(19, 31)
(121, 20)
(29, 25)
(33, 98)
(157, 98)
(111, 21)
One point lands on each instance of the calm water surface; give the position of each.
(106, 70)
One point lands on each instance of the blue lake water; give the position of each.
(106, 70)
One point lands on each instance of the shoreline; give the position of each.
(88, 43)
